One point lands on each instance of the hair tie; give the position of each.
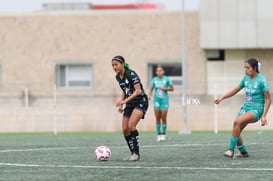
(259, 66)
(126, 66)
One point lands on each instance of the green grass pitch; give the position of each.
(196, 156)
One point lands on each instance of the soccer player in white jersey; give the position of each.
(136, 101)
(256, 105)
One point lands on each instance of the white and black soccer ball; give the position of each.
(102, 153)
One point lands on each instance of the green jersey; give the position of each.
(157, 83)
(254, 90)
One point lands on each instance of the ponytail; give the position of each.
(126, 66)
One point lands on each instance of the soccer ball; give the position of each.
(102, 153)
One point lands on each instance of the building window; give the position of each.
(215, 55)
(172, 70)
(73, 75)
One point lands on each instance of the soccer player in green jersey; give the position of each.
(256, 105)
(160, 85)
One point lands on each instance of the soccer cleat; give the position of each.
(242, 155)
(158, 138)
(229, 153)
(134, 157)
(127, 158)
(163, 137)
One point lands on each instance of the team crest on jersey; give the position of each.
(246, 84)
(126, 81)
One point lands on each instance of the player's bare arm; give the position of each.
(266, 108)
(170, 88)
(119, 103)
(229, 94)
(151, 93)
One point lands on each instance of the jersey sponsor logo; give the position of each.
(135, 80)
(127, 91)
(255, 85)
(249, 99)
(160, 93)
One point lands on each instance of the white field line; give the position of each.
(135, 167)
(38, 149)
(117, 147)
(123, 167)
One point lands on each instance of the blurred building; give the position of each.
(231, 31)
(56, 74)
(77, 6)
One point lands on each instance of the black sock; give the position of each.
(135, 139)
(129, 142)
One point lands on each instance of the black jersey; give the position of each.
(130, 78)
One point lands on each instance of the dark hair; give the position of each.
(120, 59)
(253, 62)
(159, 66)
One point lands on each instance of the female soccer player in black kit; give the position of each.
(136, 101)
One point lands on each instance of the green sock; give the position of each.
(233, 142)
(164, 128)
(242, 148)
(158, 128)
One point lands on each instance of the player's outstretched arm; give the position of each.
(266, 108)
(228, 94)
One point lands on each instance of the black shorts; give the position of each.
(141, 105)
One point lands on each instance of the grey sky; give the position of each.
(22, 6)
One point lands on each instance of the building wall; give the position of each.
(224, 75)
(236, 24)
(32, 44)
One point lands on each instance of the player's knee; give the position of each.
(132, 128)
(125, 131)
(237, 123)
